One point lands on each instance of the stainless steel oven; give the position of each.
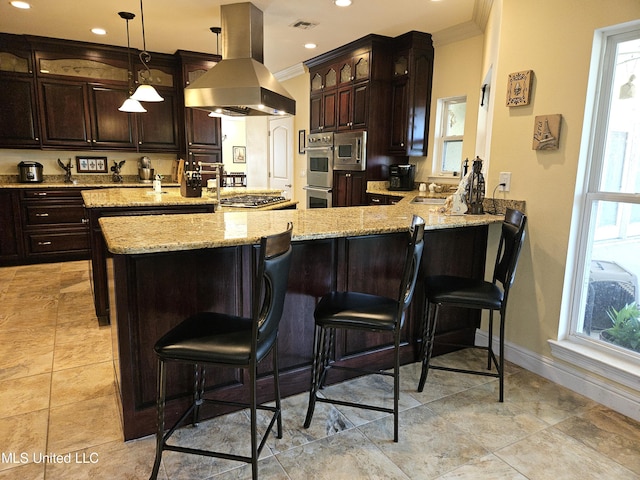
(320, 159)
(318, 197)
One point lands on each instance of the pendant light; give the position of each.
(145, 91)
(130, 105)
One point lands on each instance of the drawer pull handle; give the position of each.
(44, 243)
(42, 214)
(41, 194)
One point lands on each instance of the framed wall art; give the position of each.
(546, 132)
(519, 88)
(91, 164)
(239, 154)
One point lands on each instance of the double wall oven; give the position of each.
(319, 170)
(327, 152)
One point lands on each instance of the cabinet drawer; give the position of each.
(46, 193)
(57, 242)
(54, 214)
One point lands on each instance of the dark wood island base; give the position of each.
(152, 292)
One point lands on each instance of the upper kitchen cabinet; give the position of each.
(202, 133)
(323, 98)
(339, 95)
(158, 128)
(353, 83)
(19, 120)
(80, 88)
(411, 94)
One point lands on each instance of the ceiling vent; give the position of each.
(304, 25)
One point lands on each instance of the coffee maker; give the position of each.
(145, 172)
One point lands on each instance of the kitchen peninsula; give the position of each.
(142, 201)
(167, 267)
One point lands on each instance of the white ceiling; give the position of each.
(171, 25)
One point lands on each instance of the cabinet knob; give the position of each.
(85, 220)
(139, 143)
(37, 139)
(402, 144)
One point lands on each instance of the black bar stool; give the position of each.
(366, 312)
(209, 338)
(476, 294)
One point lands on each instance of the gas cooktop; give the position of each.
(251, 201)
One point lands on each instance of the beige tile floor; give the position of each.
(57, 396)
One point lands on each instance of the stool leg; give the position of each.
(327, 348)
(429, 333)
(316, 369)
(198, 391)
(490, 340)
(396, 381)
(160, 406)
(254, 421)
(501, 361)
(276, 387)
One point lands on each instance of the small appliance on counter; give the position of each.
(29, 172)
(402, 177)
(145, 172)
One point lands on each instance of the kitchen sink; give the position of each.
(428, 200)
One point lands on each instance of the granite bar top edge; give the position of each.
(133, 235)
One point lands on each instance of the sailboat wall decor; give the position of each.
(546, 132)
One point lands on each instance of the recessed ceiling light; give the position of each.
(342, 3)
(310, 45)
(22, 5)
(99, 31)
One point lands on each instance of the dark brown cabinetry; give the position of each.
(19, 119)
(53, 223)
(339, 95)
(83, 115)
(349, 189)
(323, 98)
(65, 95)
(202, 133)
(352, 98)
(10, 243)
(411, 94)
(380, 199)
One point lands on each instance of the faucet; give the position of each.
(218, 166)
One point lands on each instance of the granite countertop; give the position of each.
(88, 181)
(130, 197)
(163, 233)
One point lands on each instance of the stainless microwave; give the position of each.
(350, 151)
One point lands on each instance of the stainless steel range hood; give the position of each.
(240, 84)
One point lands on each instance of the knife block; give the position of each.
(190, 188)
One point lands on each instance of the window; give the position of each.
(605, 282)
(448, 147)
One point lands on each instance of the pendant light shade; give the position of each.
(132, 106)
(145, 91)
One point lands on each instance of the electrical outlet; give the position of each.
(505, 177)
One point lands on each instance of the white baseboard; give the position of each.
(621, 400)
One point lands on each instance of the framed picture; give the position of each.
(239, 154)
(302, 141)
(519, 88)
(546, 132)
(91, 164)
